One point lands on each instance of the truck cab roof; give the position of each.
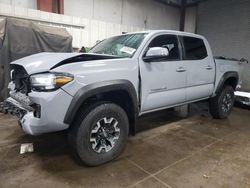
(174, 32)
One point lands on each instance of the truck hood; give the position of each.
(43, 62)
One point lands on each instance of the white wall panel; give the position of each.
(107, 10)
(91, 20)
(134, 13)
(162, 17)
(21, 3)
(146, 14)
(102, 30)
(94, 31)
(85, 32)
(79, 8)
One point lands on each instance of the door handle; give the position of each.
(181, 69)
(209, 67)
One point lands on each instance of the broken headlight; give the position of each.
(49, 81)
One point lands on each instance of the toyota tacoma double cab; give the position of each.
(97, 96)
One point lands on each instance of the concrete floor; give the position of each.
(167, 152)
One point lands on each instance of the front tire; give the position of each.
(100, 134)
(221, 106)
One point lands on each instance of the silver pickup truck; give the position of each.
(97, 96)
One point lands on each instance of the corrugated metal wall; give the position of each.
(85, 32)
(88, 24)
(226, 24)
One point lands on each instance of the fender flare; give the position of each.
(96, 88)
(231, 74)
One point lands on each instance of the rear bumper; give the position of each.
(53, 107)
(242, 97)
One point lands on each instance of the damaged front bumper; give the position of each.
(39, 112)
(11, 106)
(18, 104)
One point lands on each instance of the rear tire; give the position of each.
(221, 106)
(100, 133)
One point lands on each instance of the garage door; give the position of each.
(226, 24)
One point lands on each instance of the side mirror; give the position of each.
(156, 53)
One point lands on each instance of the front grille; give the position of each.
(20, 78)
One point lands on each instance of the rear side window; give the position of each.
(195, 48)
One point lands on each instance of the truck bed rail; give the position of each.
(231, 59)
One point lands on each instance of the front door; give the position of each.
(163, 81)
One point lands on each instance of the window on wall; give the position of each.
(167, 41)
(195, 48)
(55, 6)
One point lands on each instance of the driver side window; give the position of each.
(167, 41)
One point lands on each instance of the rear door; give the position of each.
(200, 68)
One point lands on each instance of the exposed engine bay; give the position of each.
(20, 79)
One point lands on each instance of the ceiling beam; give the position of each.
(169, 3)
(177, 5)
(194, 3)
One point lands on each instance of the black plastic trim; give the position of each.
(230, 74)
(98, 88)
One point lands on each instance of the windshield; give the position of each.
(121, 46)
